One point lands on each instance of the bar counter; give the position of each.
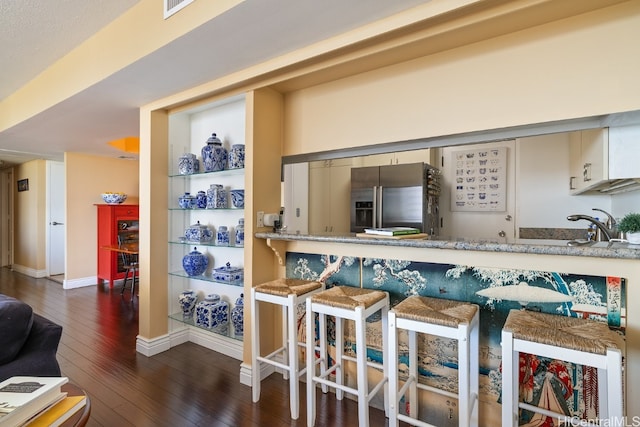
(618, 250)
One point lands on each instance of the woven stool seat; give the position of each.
(284, 287)
(348, 297)
(569, 339)
(560, 331)
(436, 311)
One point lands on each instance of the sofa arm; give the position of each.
(38, 355)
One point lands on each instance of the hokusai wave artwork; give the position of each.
(546, 383)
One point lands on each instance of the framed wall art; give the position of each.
(479, 180)
(23, 185)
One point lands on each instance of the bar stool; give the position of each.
(445, 318)
(579, 341)
(287, 293)
(350, 303)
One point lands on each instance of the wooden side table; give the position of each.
(80, 418)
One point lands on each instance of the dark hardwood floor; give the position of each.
(186, 386)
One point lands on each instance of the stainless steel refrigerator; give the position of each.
(404, 195)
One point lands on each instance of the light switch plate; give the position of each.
(260, 221)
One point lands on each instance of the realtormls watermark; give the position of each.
(606, 422)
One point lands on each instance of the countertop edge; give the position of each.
(617, 251)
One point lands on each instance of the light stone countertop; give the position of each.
(617, 250)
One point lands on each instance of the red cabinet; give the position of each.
(116, 224)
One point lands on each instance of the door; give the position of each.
(402, 201)
(493, 225)
(56, 214)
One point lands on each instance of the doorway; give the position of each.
(6, 217)
(56, 219)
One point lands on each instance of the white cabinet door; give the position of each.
(329, 195)
(589, 162)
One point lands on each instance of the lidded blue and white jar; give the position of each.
(187, 300)
(236, 156)
(212, 313)
(222, 236)
(188, 164)
(216, 197)
(198, 233)
(237, 317)
(187, 201)
(214, 155)
(201, 200)
(240, 232)
(195, 263)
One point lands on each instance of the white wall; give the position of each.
(542, 185)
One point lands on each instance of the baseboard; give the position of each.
(152, 347)
(227, 346)
(245, 374)
(27, 271)
(79, 283)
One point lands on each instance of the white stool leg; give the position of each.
(285, 340)
(361, 368)
(413, 373)
(474, 363)
(510, 361)
(324, 352)
(614, 387)
(339, 323)
(385, 360)
(311, 369)
(463, 376)
(255, 350)
(292, 342)
(393, 371)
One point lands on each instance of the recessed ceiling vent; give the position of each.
(173, 6)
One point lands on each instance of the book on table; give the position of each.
(60, 412)
(392, 231)
(22, 398)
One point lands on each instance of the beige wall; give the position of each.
(577, 67)
(30, 218)
(86, 178)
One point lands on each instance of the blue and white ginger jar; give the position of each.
(187, 201)
(212, 313)
(188, 164)
(201, 200)
(237, 198)
(216, 197)
(237, 317)
(236, 156)
(240, 232)
(214, 155)
(187, 300)
(195, 263)
(222, 236)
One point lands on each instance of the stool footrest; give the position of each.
(370, 363)
(414, 421)
(561, 417)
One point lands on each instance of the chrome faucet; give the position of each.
(607, 230)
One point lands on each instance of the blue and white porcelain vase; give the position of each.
(188, 164)
(187, 201)
(222, 236)
(236, 156)
(216, 197)
(214, 155)
(237, 198)
(187, 300)
(212, 313)
(237, 317)
(240, 232)
(201, 200)
(195, 263)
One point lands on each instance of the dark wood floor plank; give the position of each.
(187, 385)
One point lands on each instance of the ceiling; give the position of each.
(36, 33)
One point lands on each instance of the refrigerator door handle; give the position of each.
(379, 206)
(375, 206)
